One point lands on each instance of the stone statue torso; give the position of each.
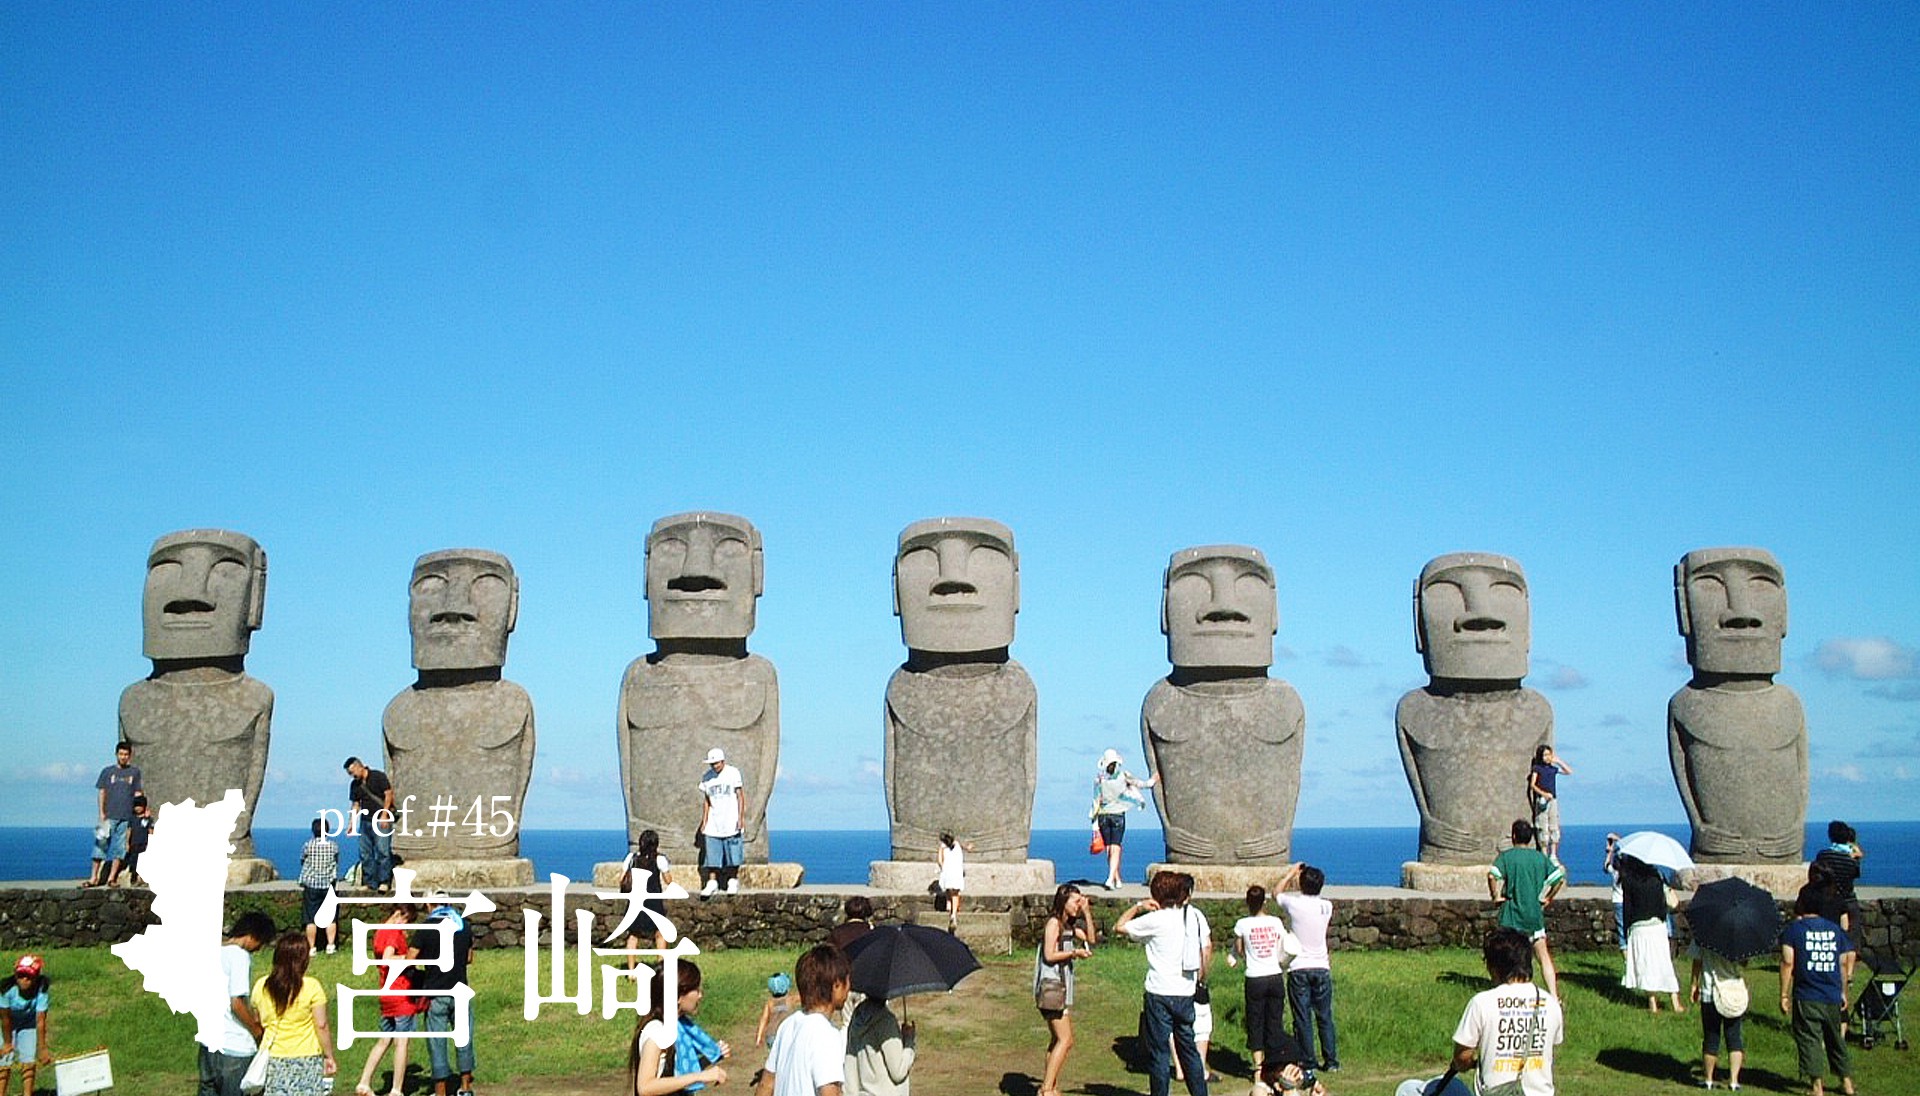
(961, 758)
(195, 738)
(472, 743)
(1739, 757)
(673, 711)
(1467, 756)
(1228, 755)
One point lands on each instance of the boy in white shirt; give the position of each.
(808, 1055)
(1179, 949)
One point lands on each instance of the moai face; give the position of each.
(1218, 608)
(206, 593)
(956, 585)
(1471, 617)
(1732, 604)
(704, 571)
(460, 607)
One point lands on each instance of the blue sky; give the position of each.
(1357, 285)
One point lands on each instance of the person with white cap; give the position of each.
(1115, 792)
(720, 814)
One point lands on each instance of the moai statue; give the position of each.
(199, 725)
(461, 733)
(699, 689)
(1468, 737)
(1737, 740)
(960, 740)
(1225, 739)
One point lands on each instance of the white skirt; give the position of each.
(1650, 959)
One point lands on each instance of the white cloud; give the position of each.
(1566, 677)
(1347, 658)
(1866, 658)
(67, 773)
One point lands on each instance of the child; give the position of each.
(396, 1005)
(808, 1052)
(780, 1002)
(138, 834)
(23, 1024)
(952, 858)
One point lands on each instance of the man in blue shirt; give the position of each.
(118, 784)
(1816, 964)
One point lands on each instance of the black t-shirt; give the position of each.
(1840, 867)
(370, 793)
(428, 944)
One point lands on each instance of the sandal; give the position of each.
(362, 1090)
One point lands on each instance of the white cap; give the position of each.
(716, 754)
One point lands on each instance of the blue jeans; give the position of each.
(220, 1074)
(1172, 1016)
(376, 856)
(440, 1018)
(1311, 992)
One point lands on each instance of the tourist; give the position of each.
(139, 832)
(222, 1069)
(1544, 793)
(857, 922)
(1840, 863)
(1719, 987)
(880, 1052)
(951, 856)
(781, 1001)
(721, 842)
(397, 1005)
(319, 868)
(1310, 975)
(1179, 948)
(1508, 1032)
(440, 1006)
(23, 1015)
(1524, 881)
(1069, 934)
(1115, 792)
(370, 808)
(1286, 1071)
(293, 1014)
(808, 1055)
(1816, 965)
(649, 872)
(118, 784)
(656, 1063)
(1611, 865)
(1261, 939)
(1649, 950)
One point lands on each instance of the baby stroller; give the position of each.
(1879, 1001)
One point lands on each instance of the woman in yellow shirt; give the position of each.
(293, 1008)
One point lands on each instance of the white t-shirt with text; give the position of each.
(1515, 1028)
(722, 790)
(1307, 916)
(1261, 935)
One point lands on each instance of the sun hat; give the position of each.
(1111, 757)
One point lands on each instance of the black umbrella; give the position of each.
(1734, 919)
(895, 960)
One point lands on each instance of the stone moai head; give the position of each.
(956, 585)
(1217, 607)
(704, 571)
(1732, 604)
(206, 592)
(460, 606)
(1471, 618)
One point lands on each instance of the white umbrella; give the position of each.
(1656, 849)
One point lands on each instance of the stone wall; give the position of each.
(67, 916)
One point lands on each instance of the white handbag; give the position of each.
(255, 1079)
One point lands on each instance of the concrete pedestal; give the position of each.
(916, 876)
(606, 876)
(1779, 880)
(1445, 878)
(242, 870)
(466, 875)
(1228, 879)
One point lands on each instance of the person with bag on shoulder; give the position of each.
(1069, 935)
(293, 1011)
(1720, 989)
(1179, 947)
(1507, 1033)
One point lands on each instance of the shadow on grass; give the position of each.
(1229, 1062)
(1649, 1064)
(1018, 1084)
(1130, 1052)
(1606, 986)
(1455, 978)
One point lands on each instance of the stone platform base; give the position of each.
(1233, 879)
(242, 870)
(465, 875)
(606, 876)
(1779, 880)
(1445, 878)
(915, 876)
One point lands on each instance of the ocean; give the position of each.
(1349, 856)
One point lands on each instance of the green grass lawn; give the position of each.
(1395, 1011)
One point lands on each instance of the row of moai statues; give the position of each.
(960, 737)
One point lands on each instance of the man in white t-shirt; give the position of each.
(720, 833)
(1179, 949)
(1508, 1032)
(1310, 977)
(222, 1067)
(808, 1054)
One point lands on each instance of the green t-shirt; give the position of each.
(1526, 875)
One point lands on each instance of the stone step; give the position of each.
(985, 933)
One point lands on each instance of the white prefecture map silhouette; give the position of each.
(186, 865)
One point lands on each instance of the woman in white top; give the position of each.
(951, 855)
(1261, 939)
(650, 1061)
